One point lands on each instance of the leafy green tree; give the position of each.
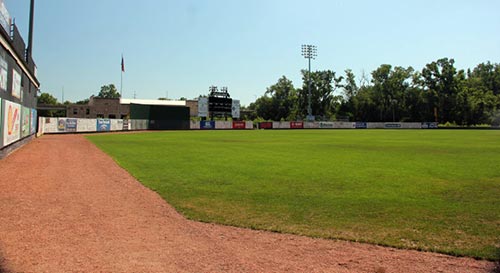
(283, 100)
(109, 92)
(46, 98)
(390, 87)
(263, 107)
(83, 102)
(441, 86)
(323, 86)
(349, 102)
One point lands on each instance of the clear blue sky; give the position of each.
(182, 47)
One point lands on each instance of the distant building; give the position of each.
(120, 108)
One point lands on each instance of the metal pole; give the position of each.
(30, 35)
(121, 84)
(309, 52)
(309, 109)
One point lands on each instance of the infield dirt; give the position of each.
(67, 206)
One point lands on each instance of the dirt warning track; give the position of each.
(66, 206)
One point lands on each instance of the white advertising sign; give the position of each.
(202, 107)
(11, 122)
(16, 84)
(3, 74)
(235, 109)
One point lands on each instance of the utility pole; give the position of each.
(309, 52)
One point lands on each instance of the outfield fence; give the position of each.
(79, 125)
(76, 125)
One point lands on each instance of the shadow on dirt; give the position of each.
(2, 269)
(3, 266)
(496, 269)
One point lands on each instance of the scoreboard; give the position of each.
(220, 105)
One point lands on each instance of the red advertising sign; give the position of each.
(239, 125)
(265, 125)
(297, 125)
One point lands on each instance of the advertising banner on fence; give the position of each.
(235, 109)
(25, 121)
(33, 119)
(326, 125)
(429, 125)
(61, 124)
(265, 125)
(125, 125)
(86, 125)
(11, 122)
(71, 124)
(361, 125)
(103, 125)
(207, 125)
(392, 125)
(194, 125)
(239, 125)
(219, 124)
(296, 124)
(203, 107)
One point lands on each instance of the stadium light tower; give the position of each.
(309, 52)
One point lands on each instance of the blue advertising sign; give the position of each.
(71, 124)
(207, 125)
(103, 125)
(33, 120)
(361, 125)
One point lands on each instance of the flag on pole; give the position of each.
(123, 65)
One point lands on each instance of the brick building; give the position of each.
(120, 108)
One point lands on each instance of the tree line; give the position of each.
(439, 92)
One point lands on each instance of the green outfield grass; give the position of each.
(436, 190)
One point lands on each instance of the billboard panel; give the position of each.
(266, 125)
(207, 125)
(360, 125)
(203, 107)
(3, 74)
(61, 124)
(392, 125)
(16, 84)
(33, 119)
(71, 124)
(429, 125)
(103, 125)
(326, 125)
(125, 125)
(297, 125)
(239, 125)
(235, 109)
(25, 121)
(11, 122)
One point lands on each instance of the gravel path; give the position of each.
(65, 206)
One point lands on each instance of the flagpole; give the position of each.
(121, 77)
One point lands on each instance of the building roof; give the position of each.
(154, 102)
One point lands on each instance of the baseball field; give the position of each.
(434, 190)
